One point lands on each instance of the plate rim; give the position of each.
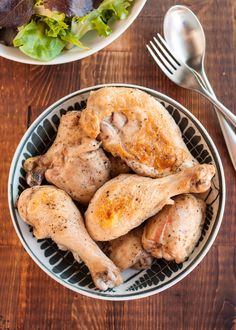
(215, 229)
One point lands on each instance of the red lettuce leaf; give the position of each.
(7, 35)
(14, 13)
(72, 7)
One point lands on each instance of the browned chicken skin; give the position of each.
(124, 202)
(127, 251)
(74, 163)
(173, 233)
(134, 126)
(53, 214)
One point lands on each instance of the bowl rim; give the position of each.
(194, 263)
(84, 53)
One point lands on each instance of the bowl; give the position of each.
(91, 40)
(60, 265)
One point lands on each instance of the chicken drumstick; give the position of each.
(53, 214)
(124, 202)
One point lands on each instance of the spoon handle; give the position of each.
(227, 130)
(225, 112)
(230, 138)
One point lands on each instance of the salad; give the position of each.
(42, 29)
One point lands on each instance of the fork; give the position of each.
(182, 75)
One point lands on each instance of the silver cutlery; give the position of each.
(181, 74)
(185, 36)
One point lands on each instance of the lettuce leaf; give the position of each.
(55, 25)
(98, 19)
(14, 13)
(101, 27)
(119, 8)
(38, 3)
(71, 7)
(34, 42)
(72, 40)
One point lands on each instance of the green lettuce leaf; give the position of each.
(72, 40)
(98, 19)
(34, 42)
(55, 25)
(38, 3)
(119, 8)
(101, 27)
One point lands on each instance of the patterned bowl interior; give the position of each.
(60, 264)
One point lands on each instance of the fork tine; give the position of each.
(167, 49)
(158, 62)
(163, 59)
(165, 53)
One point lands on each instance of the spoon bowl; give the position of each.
(185, 36)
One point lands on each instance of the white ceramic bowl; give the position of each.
(91, 40)
(60, 265)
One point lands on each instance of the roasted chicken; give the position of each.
(134, 126)
(124, 202)
(74, 163)
(118, 166)
(53, 214)
(173, 233)
(127, 251)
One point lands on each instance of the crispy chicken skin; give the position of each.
(127, 251)
(134, 126)
(53, 214)
(74, 163)
(173, 233)
(124, 202)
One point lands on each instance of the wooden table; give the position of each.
(206, 299)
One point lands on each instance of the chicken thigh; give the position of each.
(74, 163)
(134, 126)
(173, 233)
(124, 202)
(118, 166)
(127, 251)
(53, 214)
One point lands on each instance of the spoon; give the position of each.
(185, 36)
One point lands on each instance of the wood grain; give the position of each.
(205, 299)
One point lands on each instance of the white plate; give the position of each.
(61, 265)
(94, 42)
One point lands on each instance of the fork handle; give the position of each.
(225, 112)
(227, 130)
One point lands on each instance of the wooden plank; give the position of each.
(204, 300)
